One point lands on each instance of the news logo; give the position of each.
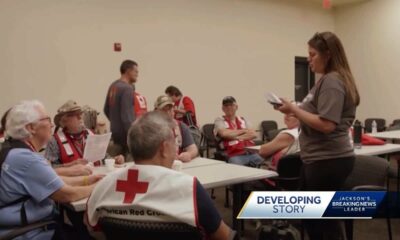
(312, 205)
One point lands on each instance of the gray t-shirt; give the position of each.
(187, 138)
(329, 100)
(119, 109)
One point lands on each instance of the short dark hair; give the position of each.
(126, 65)
(228, 100)
(173, 91)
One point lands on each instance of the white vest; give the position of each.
(162, 195)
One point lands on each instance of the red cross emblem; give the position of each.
(131, 186)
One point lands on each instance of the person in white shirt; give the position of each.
(285, 143)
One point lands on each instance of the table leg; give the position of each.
(398, 175)
(237, 204)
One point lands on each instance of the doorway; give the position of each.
(304, 79)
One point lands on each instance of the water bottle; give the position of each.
(357, 134)
(374, 127)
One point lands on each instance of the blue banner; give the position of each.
(316, 205)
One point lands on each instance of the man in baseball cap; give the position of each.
(186, 147)
(235, 135)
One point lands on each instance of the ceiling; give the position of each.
(336, 3)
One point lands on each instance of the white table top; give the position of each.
(386, 135)
(369, 150)
(372, 150)
(211, 173)
(220, 175)
(198, 162)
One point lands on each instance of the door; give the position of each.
(304, 79)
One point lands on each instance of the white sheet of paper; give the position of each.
(96, 147)
(272, 98)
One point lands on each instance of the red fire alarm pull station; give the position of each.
(117, 47)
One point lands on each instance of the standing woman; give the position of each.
(326, 115)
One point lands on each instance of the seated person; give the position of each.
(186, 147)
(151, 142)
(234, 135)
(3, 127)
(285, 143)
(68, 142)
(183, 105)
(27, 181)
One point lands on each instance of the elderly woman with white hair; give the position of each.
(28, 183)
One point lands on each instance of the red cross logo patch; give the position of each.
(131, 186)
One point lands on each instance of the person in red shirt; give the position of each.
(183, 105)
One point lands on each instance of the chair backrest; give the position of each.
(395, 125)
(20, 231)
(267, 126)
(289, 170)
(395, 122)
(380, 124)
(208, 134)
(122, 229)
(367, 170)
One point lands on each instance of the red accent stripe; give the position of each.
(96, 227)
(196, 218)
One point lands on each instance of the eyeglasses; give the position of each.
(45, 119)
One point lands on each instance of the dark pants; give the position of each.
(326, 175)
(78, 224)
(78, 230)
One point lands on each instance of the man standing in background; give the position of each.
(183, 105)
(120, 104)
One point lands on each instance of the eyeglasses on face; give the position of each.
(45, 119)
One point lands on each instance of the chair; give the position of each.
(208, 138)
(267, 126)
(122, 229)
(289, 171)
(210, 142)
(395, 125)
(289, 175)
(395, 122)
(369, 174)
(380, 123)
(19, 231)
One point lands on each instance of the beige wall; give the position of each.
(54, 50)
(370, 33)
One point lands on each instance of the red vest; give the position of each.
(236, 147)
(69, 149)
(140, 104)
